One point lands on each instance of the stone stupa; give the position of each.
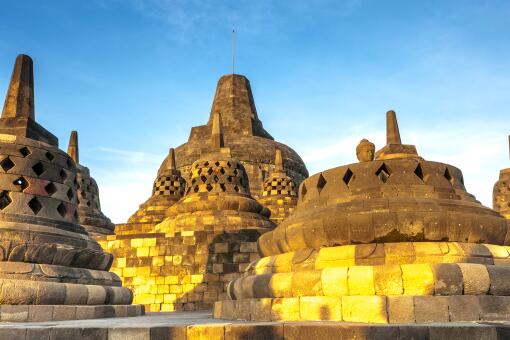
(89, 208)
(279, 195)
(51, 268)
(168, 188)
(501, 192)
(391, 240)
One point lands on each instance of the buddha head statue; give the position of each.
(365, 151)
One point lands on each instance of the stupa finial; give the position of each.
(392, 132)
(72, 149)
(278, 161)
(19, 101)
(170, 165)
(217, 132)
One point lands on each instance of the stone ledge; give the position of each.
(43, 313)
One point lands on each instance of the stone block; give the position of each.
(465, 332)
(285, 309)
(206, 332)
(499, 280)
(335, 330)
(448, 279)
(75, 294)
(369, 309)
(37, 334)
(475, 277)
(306, 283)
(494, 308)
(463, 308)
(254, 332)
(40, 313)
(135, 333)
(334, 281)
(13, 333)
(64, 313)
(58, 333)
(261, 309)
(388, 280)
(431, 309)
(418, 279)
(401, 309)
(326, 308)
(360, 280)
(281, 285)
(14, 313)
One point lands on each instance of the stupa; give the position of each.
(501, 192)
(391, 240)
(244, 134)
(90, 215)
(167, 189)
(279, 195)
(51, 268)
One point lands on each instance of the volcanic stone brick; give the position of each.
(431, 309)
(463, 308)
(320, 308)
(401, 309)
(475, 278)
(364, 309)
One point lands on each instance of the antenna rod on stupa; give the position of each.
(171, 159)
(233, 45)
(19, 101)
(392, 133)
(72, 149)
(217, 132)
(278, 162)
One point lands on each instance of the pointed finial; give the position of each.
(392, 133)
(217, 132)
(278, 161)
(233, 45)
(19, 101)
(72, 149)
(171, 160)
(509, 145)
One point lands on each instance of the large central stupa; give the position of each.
(397, 239)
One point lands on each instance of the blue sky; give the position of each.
(133, 76)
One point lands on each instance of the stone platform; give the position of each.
(201, 325)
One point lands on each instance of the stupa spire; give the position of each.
(72, 149)
(217, 132)
(278, 161)
(392, 132)
(19, 101)
(170, 165)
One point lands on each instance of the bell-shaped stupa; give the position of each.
(213, 229)
(501, 192)
(89, 208)
(396, 239)
(244, 133)
(167, 189)
(279, 195)
(51, 268)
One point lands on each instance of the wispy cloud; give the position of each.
(130, 156)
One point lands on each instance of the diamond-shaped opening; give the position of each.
(75, 214)
(448, 176)
(321, 183)
(193, 180)
(222, 171)
(303, 191)
(88, 203)
(419, 172)
(70, 194)
(62, 209)
(236, 188)
(83, 194)
(222, 186)
(6, 164)
(5, 199)
(69, 163)
(24, 151)
(63, 174)
(195, 189)
(75, 182)
(228, 164)
(21, 183)
(50, 188)
(462, 179)
(217, 163)
(199, 171)
(203, 179)
(206, 163)
(348, 177)
(209, 187)
(35, 205)
(210, 171)
(383, 173)
(38, 168)
(49, 155)
(216, 179)
(229, 178)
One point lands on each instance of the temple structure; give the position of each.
(501, 192)
(391, 240)
(89, 208)
(279, 195)
(50, 269)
